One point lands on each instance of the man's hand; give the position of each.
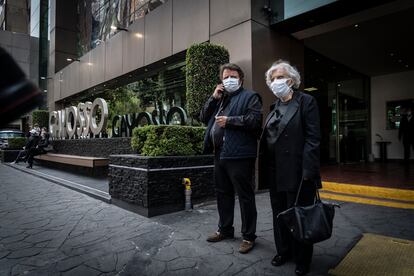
(221, 121)
(218, 92)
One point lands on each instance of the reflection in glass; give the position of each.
(97, 16)
(396, 109)
(342, 97)
(155, 94)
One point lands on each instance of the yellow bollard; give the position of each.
(187, 193)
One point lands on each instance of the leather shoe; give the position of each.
(301, 269)
(279, 260)
(246, 246)
(218, 236)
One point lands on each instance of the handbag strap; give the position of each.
(297, 195)
(318, 198)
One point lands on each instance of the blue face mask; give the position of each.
(280, 88)
(231, 84)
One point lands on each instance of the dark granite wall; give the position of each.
(159, 191)
(8, 155)
(96, 147)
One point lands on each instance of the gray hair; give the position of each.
(291, 71)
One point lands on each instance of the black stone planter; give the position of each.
(8, 155)
(152, 186)
(96, 147)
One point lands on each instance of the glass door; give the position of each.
(342, 98)
(352, 120)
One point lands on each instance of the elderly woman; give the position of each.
(289, 154)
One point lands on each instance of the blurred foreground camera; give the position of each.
(18, 95)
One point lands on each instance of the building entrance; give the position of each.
(343, 98)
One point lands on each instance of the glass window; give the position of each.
(284, 9)
(396, 109)
(97, 16)
(155, 94)
(343, 101)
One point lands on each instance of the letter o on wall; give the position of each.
(98, 103)
(180, 111)
(143, 115)
(54, 123)
(71, 116)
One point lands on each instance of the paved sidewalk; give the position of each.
(47, 229)
(99, 183)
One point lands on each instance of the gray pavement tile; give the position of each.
(105, 264)
(47, 229)
(4, 253)
(82, 270)
(20, 269)
(23, 253)
(69, 263)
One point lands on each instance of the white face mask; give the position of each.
(231, 84)
(280, 88)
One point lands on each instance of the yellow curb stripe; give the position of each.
(372, 191)
(366, 200)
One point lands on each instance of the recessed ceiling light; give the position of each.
(310, 89)
(406, 66)
(400, 60)
(356, 25)
(339, 85)
(392, 54)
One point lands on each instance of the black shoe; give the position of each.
(279, 260)
(301, 269)
(29, 166)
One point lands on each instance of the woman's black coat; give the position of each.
(297, 143)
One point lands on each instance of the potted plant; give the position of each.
(151, 181)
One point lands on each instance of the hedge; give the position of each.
(41, 117)
(16, 142)
(166, 140)
(202, 74)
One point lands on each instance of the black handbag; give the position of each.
(309, 224)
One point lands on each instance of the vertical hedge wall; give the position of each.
(41, 117)
(202, 74)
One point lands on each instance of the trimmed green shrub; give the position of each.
(166, 140)
(202, 74)
(16, 142)
(41, 117)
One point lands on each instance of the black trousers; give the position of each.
(32, 153)
(407, 151)
(21, 156)
(232, 175)
(286, 245)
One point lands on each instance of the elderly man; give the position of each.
(233, 118)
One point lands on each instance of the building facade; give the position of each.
(353, 57)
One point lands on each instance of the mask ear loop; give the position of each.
(291, 85)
